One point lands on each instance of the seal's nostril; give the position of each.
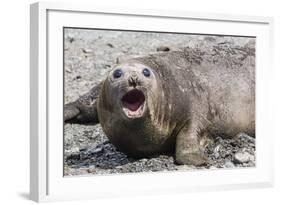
(133, 81)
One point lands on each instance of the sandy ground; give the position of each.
(89, 56)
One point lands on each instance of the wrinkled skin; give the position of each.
(190, 96)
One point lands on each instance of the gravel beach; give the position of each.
(89, 56)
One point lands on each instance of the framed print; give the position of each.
(122, 97)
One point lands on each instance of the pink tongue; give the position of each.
(133, 100)
(132, 106)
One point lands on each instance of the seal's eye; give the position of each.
(117, 73)
(146, 72)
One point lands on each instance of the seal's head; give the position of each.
(129, 109)
(130, 89)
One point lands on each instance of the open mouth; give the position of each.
(133, 103)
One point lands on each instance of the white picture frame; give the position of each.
(46, 133)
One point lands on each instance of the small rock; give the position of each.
(81, 140)
(68, 70)
(163, 48)
(92, 169)
(70, 38)
(87, 50)
(242, 157)
(74, 150)
(82, 149)
(216, 151)
(216, 155)
(74, 156)
(110, 45)
(98, 149)
(229, 164)
(77, 77)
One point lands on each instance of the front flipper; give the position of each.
(84, 109)
(188, 147)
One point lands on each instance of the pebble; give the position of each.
(229, 164)
(68, 70)
(81, 140)
(242, 157)
(77, 77)
(70, 38)
(216, 151)
(87, 50)
(110, 45)
(99, 149)
(74, 150)
(92, 169)
(163, 48)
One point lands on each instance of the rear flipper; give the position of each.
(84, 109)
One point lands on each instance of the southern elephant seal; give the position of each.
(173, 101)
